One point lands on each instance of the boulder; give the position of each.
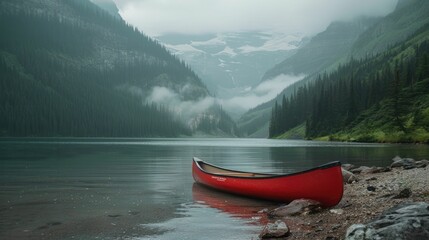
(406, 163)
(279, 229)
(359, 169)
(396, 158)
(409, 163)
(404, 221)
(348, 166)
(368, 170)
(348, 177)
(422, 163)
(296, 207)
(374, 170)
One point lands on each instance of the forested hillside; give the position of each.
(376, 36)
(68, 68)
(383, 98)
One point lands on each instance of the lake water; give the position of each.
(83, 188)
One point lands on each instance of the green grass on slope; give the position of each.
(378, 125)
(297, 132)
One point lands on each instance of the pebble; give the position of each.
(337, 211)
(296, 207)
(265, 210)
(277, 229)
(404, 193)
(336, 226)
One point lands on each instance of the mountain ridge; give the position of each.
(231, 60)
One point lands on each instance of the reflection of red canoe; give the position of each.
(234, 205)
(323, 184)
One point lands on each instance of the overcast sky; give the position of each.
(157, 17)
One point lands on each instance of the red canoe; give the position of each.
(323, 184)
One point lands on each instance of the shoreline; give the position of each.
(364, 199)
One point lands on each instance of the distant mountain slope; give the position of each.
(408, 16)
(229, 63)
(109, 6)
(323, 50)
(71, 69)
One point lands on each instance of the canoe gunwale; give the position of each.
(197, 162)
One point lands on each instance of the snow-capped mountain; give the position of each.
(232, 63)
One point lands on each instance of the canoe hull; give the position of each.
(323, 184)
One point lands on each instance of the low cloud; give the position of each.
(158, 17)
(262, 93)
(235, 106)
(185, 109)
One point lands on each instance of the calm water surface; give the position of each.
(143, 188)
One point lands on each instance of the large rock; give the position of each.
(279, 229)
(296, 207)
(406, 163)
(348, 166)
(375, 170)
(404, 221)
(422, 163)
(368, 170)
(359, 169)
(348, 177)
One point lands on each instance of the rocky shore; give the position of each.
(376, 200)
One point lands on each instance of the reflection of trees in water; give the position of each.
(291, 159)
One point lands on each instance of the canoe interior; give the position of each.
(220, 171)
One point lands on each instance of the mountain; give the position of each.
(374, 36)
(230, 63)
(324, 49)
(408, 17)
(70, 68)
(109, 6)
(381, 98)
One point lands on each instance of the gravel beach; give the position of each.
(363, 200)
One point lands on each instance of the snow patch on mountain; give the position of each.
(214, 41)
(276, 43)
(182, 49)
(227, 51)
